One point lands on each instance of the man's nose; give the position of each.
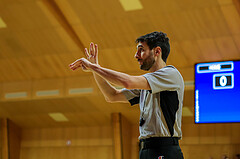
(136, 55)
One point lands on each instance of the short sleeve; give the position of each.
(163, 79)
(132, 95)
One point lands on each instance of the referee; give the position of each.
(159, 94)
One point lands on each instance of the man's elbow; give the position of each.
(114, 97)
(110, 100)
(111, 97)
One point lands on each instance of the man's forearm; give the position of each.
(106, 88)
(118, 78)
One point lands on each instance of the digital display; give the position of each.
(217, 92)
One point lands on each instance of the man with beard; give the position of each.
(159, 94)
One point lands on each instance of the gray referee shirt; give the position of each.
(160, 107)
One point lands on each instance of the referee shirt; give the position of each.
(160, 107)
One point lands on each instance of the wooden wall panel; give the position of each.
(57, 137)
(48, 85)
(10, 139)
(121, 136)
(235, 131)
(210, 140)
(62, 143)
(61, 84)
(74, 142)
(192, 52)
(100, 152)
(117, 136)
(237, 43)
(190, 134)
(15, 87)
(176, 55)
(4, 139)
(1, 91)
(14, 140)
(226, 44)
(92, 142)
(223, 133)
(207, 134)
(54, 9)
(209, 50)
(83, 82)
(1, 137)
(232, 18)
(126, 138)
(206, 151)
(135, 142)
(202, 141)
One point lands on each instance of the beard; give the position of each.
(147, 63)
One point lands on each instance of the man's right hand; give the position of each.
(92, 54)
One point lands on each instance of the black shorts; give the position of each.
(160, 148)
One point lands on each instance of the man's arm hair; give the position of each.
(121, 79)
(110, 93)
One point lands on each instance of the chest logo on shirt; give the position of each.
(161, 157)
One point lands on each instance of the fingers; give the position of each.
(91, 55)
(91, 49)
(96, 51)
(75, 67)
(83, 63)
(86, 52)
(76, 64)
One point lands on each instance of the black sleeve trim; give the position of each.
(134, 101)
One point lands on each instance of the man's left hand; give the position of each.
(83, 63)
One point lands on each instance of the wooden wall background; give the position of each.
(1, 139)
(86, 142)
(202, 141)
(199, 142)
(41, 37)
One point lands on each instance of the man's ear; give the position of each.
(158, 51)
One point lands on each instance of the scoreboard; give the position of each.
(217, 92)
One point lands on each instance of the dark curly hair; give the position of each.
(155, 39)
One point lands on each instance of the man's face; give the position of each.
(145, 56)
